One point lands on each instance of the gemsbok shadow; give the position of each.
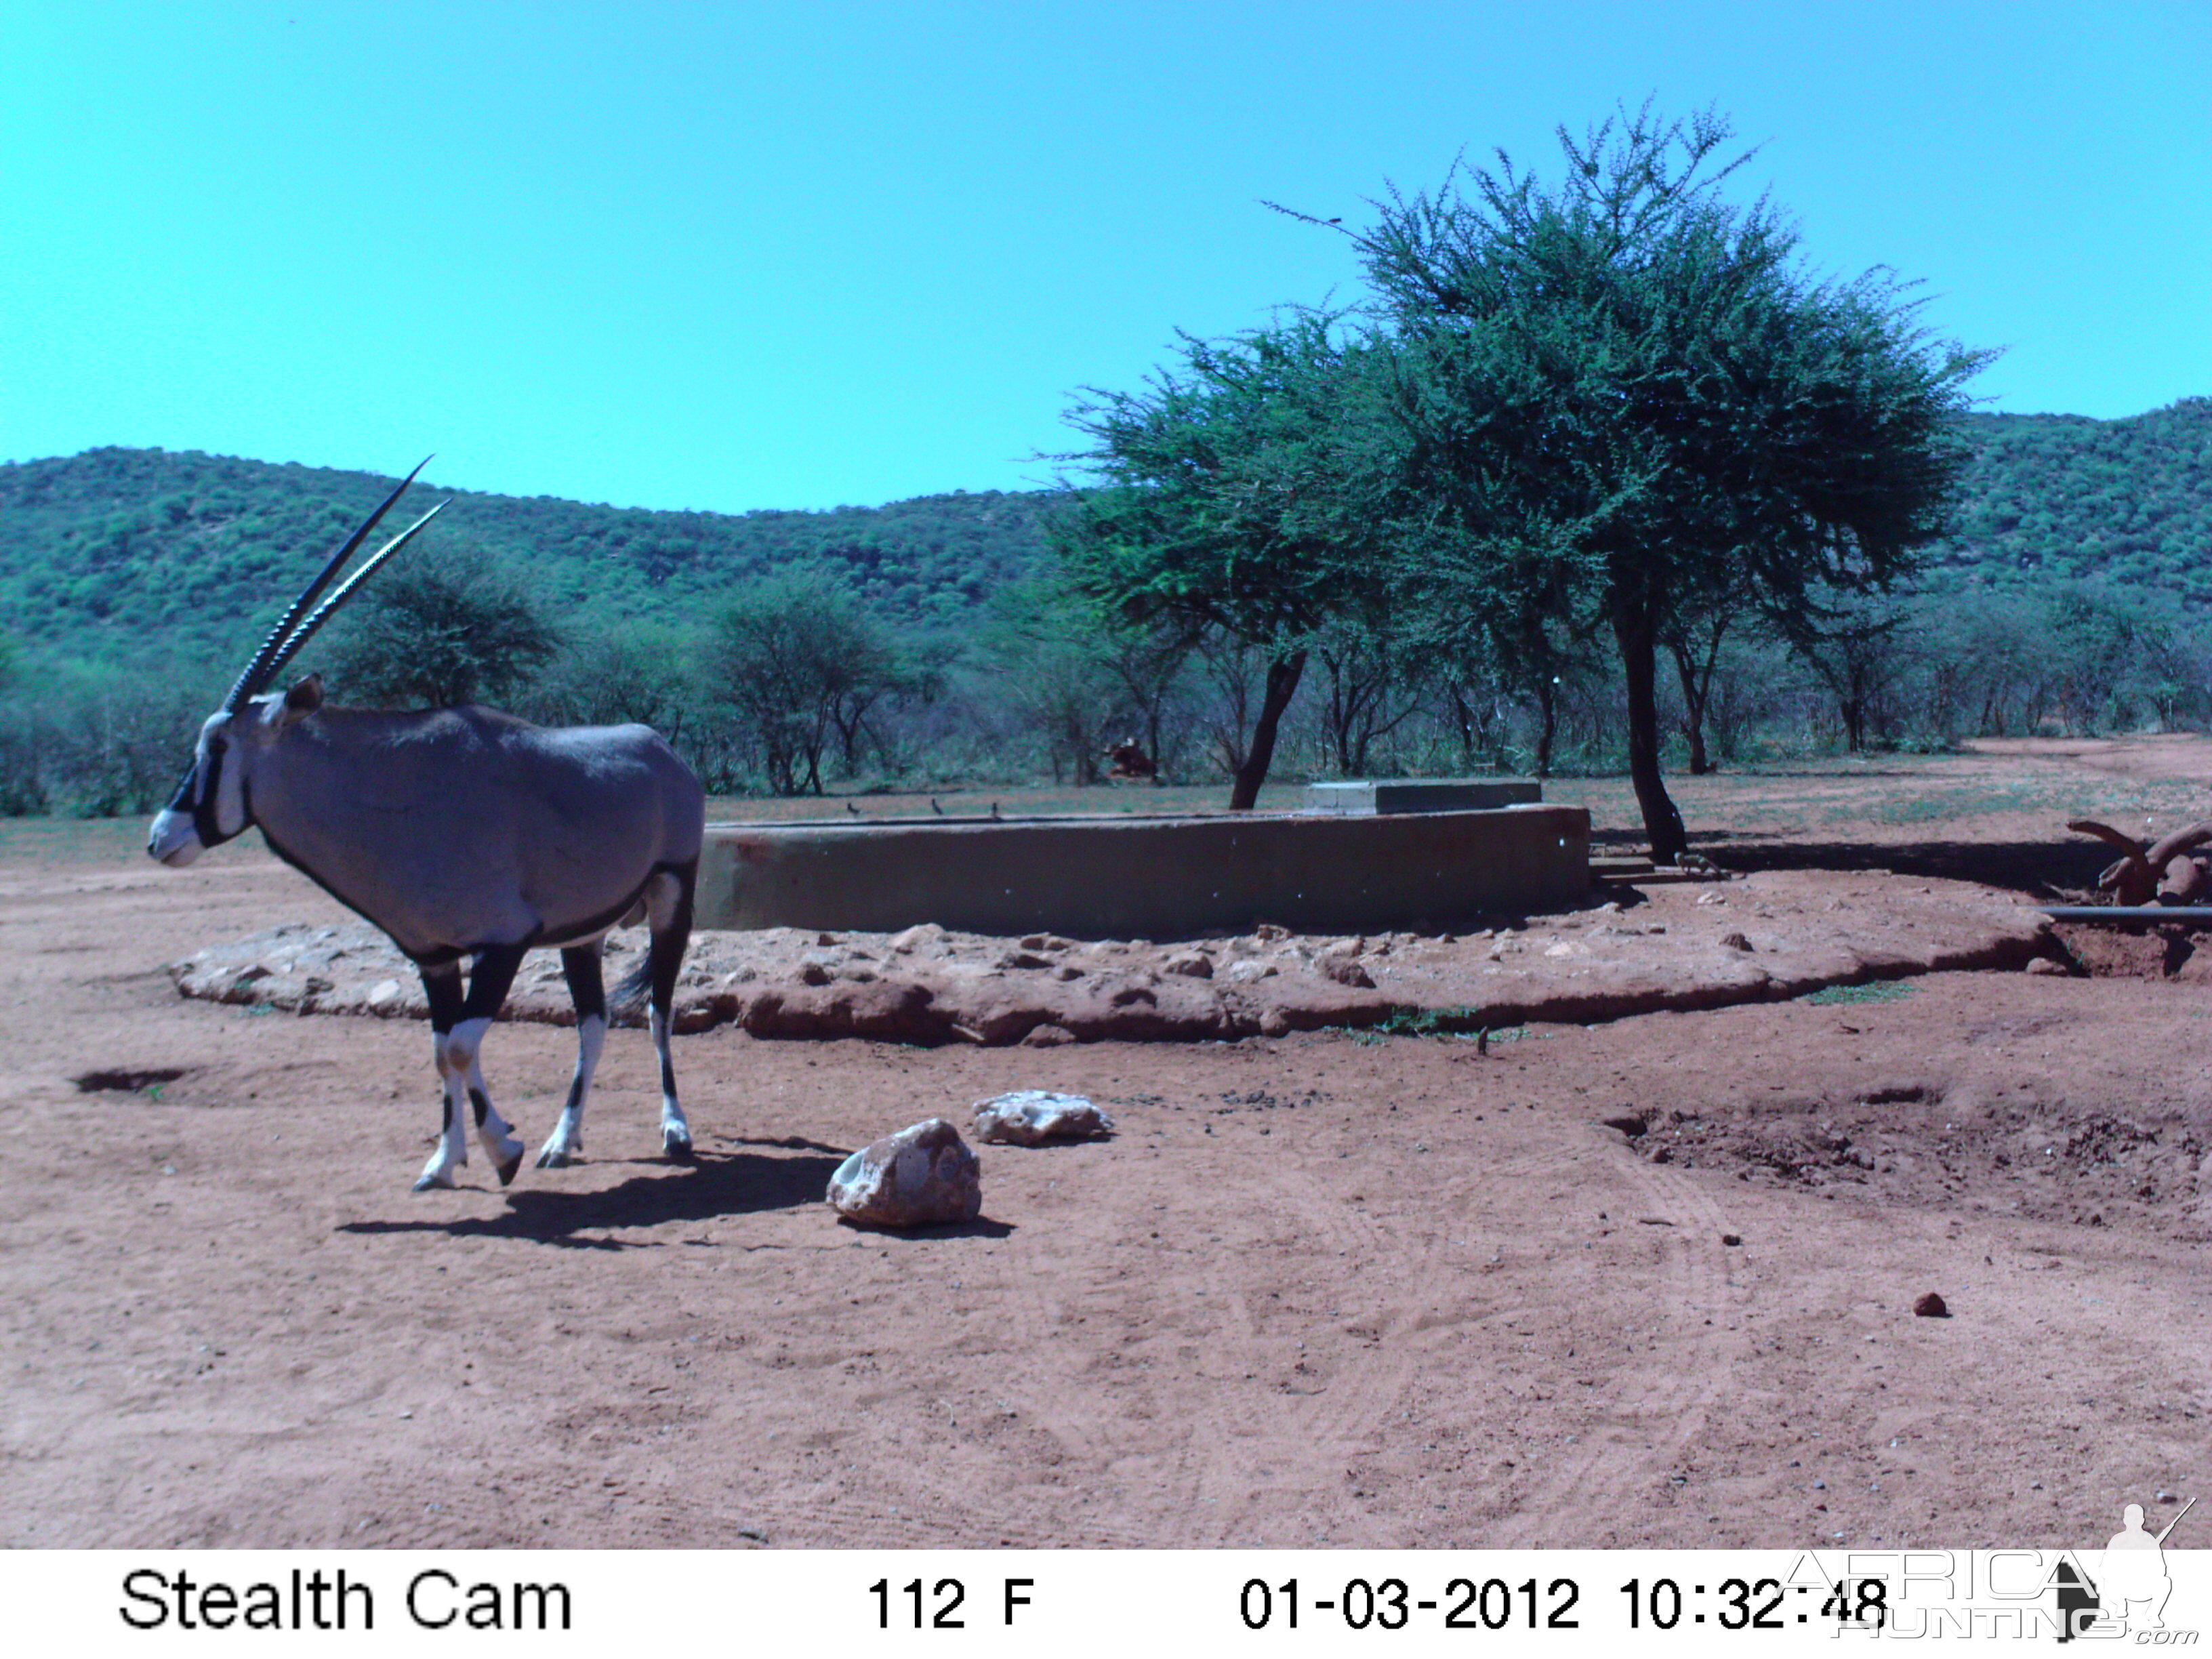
(716, 1186)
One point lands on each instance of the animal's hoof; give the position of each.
(507, 1169)
(553, 1157)
(676, 1146)
(431, 1183)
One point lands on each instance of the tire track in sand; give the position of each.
(1667, 1391)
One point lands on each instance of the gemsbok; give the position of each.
(469, 836)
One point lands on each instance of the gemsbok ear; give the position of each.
(301, 701)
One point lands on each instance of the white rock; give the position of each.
(1028, 1117)
(922, 1175)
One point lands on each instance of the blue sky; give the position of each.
(741, 256)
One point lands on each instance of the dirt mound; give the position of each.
(1927, 1146)
(2136, 951)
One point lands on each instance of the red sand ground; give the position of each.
(1321, 1289)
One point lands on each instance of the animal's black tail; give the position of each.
(626, 1001)
(654, 977)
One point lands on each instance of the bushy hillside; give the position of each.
(103, 553)
(2060, 497)
(2076, 594)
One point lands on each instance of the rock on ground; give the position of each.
(922, 1175)
(1030, 1117)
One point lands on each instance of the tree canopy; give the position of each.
(435, 636)
(1239, 493)
(802, 664)
(1626, 400)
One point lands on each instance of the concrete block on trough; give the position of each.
(1365, 798)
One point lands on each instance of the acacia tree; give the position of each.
(1625, 382)
(435, 638)
(1693, 636)
(1856, 653)
(800, 664)
(1236, 495)
(1372, 681)
(1042, 645)
(607, 679)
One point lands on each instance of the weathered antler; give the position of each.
(2164, 870)
(2104, 832)
(2182, 879)
(2133, 880)
(2180, 841)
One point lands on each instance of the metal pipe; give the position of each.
(2185, 915)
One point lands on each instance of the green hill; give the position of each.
(2060, 497)
(117, 553)
(121, 550)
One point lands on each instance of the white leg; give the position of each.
(494, 1134)
(668, 913)
(453, 1148)
(675, 1131)
(566, 1144)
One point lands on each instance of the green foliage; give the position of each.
(25, 744)
(427, 636)
(99, 745)
(1047, 644)
(611, 679)
(118, 550)
(1625, 399)
(800, 664)
(1885, 990)
(1447, 1022)
(1464, 1023)
(1239, 494)
(2046, 498)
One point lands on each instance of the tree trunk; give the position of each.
(1282, 685)
(1633, 631)
(1547, 727)
(1697, 692)
(1463, 719)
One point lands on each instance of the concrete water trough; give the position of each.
(1147, 877)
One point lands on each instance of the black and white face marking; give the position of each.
(210, 806)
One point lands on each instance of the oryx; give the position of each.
(467, 835)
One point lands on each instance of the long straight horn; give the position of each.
(274, 652)
(306, 631)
